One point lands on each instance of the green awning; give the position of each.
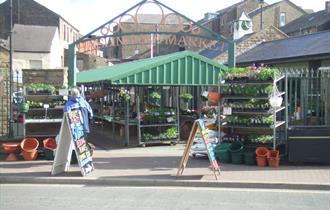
(177, 69)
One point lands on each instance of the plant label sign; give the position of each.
(199, 125)
(72, 136)
(227, 110)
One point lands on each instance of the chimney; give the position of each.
(327, 6)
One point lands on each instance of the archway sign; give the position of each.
(134, 35)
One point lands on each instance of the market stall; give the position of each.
(165, 75)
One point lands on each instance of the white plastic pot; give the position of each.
(276, 101)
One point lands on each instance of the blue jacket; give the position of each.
(86, 110)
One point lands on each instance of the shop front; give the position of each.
(146, 97)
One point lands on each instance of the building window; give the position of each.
(282, 19)
(64, 32)
(68, 34)
(35, 64)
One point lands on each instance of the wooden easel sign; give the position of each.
(199, 124)
(72, 137)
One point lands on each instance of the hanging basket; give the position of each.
(24, 107)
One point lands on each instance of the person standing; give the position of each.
(77, 102)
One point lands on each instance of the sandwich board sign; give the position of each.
(72, 137)
(199, 125)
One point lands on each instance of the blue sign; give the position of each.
(208, 145)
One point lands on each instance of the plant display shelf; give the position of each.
(41, 121)
(277, 124)
(27, 121)
(238, 96)
(159, 141)
(159, 128)
(158, 125)
(253, 82)
(233, 96)
(260, 112)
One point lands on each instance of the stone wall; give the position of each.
(4, 91)
(56, 77)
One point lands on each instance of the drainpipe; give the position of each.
(11, 133)
(261, 2)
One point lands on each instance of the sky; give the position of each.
(87, 15)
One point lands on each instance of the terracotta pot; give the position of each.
(10, 149)
(262, 152)
(29, 148)
(49, 143)
(29, 144)
(30, 155)
(274, 154)
(261, 161)
(213, 97)
(273, 162)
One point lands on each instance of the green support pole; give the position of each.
(72, 65)
(232, 55)
(126, 127)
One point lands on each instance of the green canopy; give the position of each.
(177, 69)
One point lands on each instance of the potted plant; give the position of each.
(24, 107)
(40, 88)
(171, 133)
(154, 97)
(124, 95)
(186, 97)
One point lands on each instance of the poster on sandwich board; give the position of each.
(72, 137)
(199, 125)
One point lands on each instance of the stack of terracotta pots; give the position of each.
(262, 155)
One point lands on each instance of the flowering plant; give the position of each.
(124, 95)
(209, 111)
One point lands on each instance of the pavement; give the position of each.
(116, 165)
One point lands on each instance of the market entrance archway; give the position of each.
(132, 35)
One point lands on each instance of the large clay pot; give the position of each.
(30, 155)
(30, 148)
(10, 149)
(49, 143)
(262, 155)
(50, 147)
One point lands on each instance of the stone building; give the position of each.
(29, 12)
(36, 47)
(309, 23)
(277, 14)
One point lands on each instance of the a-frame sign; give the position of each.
(199, 125)
(72, 137)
